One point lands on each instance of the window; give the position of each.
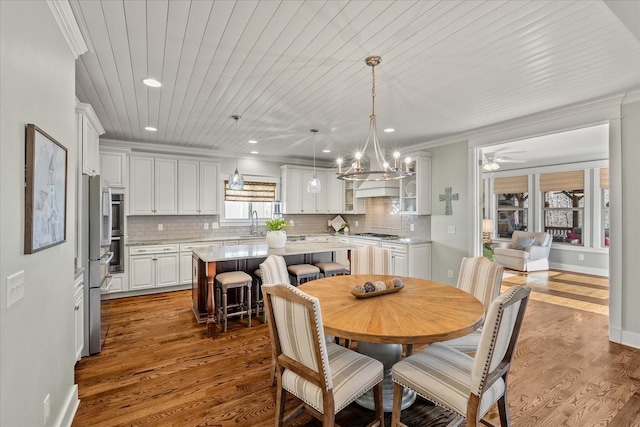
(512, 204)
(564, 205)
(255, 196)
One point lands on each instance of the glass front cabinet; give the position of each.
(415, 190)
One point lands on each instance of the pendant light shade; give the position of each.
(314, 185)
(236, 181)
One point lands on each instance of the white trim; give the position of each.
(65, 19)
(631, 96)
(630, 339)
(579, 269)
(615, 334)
(90, 114)
(70, 408)
(615, 226)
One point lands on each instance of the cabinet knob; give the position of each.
(76, 308)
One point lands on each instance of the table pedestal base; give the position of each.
(388, 354)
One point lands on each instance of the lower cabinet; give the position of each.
(398, 260)
(78, 307)
(186, 264)
(119, 283)
(153, 266)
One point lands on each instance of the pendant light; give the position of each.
(236, 181)
(314, 186)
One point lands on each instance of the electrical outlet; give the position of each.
(291, 223)
(451, 229)
(450, 274)
(206, 225)
(328, 223)
(215, 225)
(46, 406)
(356, 223)
(580, 257)
(15, 288)
(160, 227)
(412, 227)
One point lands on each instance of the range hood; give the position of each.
(389, 188)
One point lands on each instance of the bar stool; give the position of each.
(300, 272)
(259, 302)
(329, 269)
(234, 280)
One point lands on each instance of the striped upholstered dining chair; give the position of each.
(481, 278)
(326, 377)
(370, 260)
(467, 386)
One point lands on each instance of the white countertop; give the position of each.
(261, 250)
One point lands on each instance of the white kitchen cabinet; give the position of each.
(415, 190)
(153, 186)
(78, 307)
(398, 260)
(420, 260)
(186, 262)
(352, 205)
(119, 283)
(197, 188)
(291, 192)
(88, 130)
(297, 200)
(113, 167)
(153, 266)
(334, 193)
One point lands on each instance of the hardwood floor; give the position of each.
(159, 369)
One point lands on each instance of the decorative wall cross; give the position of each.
(447, 197)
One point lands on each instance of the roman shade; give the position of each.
(251, 192)
(572, 180)
(511, 185)
(604, 177)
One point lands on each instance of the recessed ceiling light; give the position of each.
(150, 129)
(389, 130)
(254, 152)
(252, 141)
(326, 151)
(151, 82)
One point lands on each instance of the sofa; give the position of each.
(527, 251)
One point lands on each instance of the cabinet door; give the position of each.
(398, 263)
(334, 193)
(119, 283)
(308, 199)
(88, 138)
(166, 187)
(292, 191)
(141, 272)
(420, 261)
(208, 188)
(186, 265)
(167, 270)
(323, 195)
(112, 168)
(79, 323)
(141, 188)
(188, 182)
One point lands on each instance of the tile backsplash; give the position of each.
(381, 217)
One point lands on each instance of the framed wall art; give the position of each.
(45, 191)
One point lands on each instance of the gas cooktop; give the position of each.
(378, 236)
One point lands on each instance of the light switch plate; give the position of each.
(160, 227)
(215, 225)
(412, 227)
(15, 288)
(451, 229)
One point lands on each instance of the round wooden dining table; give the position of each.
(422, 312)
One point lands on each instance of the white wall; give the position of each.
(630, 124)
(37, 333)
(449, 169)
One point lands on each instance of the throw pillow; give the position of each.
(523, 243)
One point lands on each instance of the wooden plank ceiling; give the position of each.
(286, 67)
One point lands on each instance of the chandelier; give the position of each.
(385, 171)
(314, 185)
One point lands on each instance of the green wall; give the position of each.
(449, 169)
(37, 85)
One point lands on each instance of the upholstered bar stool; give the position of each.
(259, 302)
(234, 280)
(300, 272)
(329, 269)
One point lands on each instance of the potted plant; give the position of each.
(276, 236)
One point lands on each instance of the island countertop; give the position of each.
(261, 250)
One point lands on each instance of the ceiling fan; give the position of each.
(493, 160)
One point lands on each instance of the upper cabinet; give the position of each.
(88, 129)
(197, 188)
(297, 200)
(113, 167)
(153, 186)
(352, 205)
(415, 190)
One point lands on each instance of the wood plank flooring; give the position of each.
(159, 369)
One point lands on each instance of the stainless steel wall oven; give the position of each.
(117, 234)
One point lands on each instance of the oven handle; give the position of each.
(106, 288)
(108, 256)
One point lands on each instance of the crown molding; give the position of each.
(63, 15)
(88, 111)
(631, 96)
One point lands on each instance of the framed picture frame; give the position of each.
(45, 223)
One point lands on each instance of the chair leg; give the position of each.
(503, 410)
(379, 408)
(280, 403)
(249, 303)
(397, 405)
(224, 307)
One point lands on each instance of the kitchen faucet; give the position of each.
(254, 223)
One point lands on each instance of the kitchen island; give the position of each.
(211, 260)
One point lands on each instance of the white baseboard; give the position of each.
(580, 269)
(70, 407)
(630, 339)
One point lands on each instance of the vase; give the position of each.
(276, 239)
